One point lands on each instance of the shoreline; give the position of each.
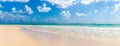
(60, 25)
(92, 32)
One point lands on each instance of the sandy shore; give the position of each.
(50, 36)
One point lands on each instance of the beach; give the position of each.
(58, 36)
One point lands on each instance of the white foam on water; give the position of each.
(88, 31)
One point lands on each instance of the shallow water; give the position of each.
(104, 32)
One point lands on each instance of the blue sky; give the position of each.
(60, 11)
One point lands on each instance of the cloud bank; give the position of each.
(63, 3)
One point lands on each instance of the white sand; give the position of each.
(57, 36)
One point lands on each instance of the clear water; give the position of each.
(85, 25)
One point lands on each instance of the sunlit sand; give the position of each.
(13, 36)
(56, 36)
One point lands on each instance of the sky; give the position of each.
(59, 11)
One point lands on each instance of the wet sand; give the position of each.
(37, 36)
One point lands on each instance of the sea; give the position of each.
(85, 25)
(81, 25)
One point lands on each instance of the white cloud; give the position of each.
(14, 0)
(13, 9)
(43, 8)
(95, 11)
(63, 3)
(17, 11)
(20, 11)
(0, 11)
(87, 2)
(28, 9)
(90, 12)
(66, 14)
(81, 14)
(1, 6)
(117, 7)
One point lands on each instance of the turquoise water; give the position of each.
(84, 25)
(99, 25)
